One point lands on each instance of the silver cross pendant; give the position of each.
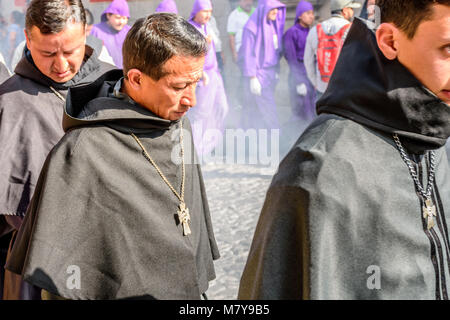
(429, 210)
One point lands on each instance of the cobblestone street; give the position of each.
(235, 195)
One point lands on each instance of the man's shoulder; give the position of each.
(332, 137)
(291, 32)
(81, 141)
(238, 16)
(13, 82)
(329, 146)
(331, 131)
(234, 13)
(18, 86)
(98, 29)
(334, 24)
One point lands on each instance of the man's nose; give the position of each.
(60, 63)
(189, 98)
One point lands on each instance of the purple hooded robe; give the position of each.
(167, 6)
(113, 39)
(294, 48)
(208, 116)
(259, 57)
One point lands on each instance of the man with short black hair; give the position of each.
(359, 208)
(31, 101)
(120, 200)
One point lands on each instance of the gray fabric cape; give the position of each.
(30, 125)
(342, 219)
(101, 206)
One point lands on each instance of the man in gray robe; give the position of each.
(32, 100)
(120, 209)
(359, 208)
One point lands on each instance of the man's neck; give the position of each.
(125, 89)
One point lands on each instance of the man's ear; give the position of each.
(387, 40)
(134, 78)
(27, 37)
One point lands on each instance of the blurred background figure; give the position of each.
(95, 43)
(3, 37)
(368, 10)
(215, 34)
(208, 116)
(167, 6)
(259, 60)
(321, 57)
(236, 23)
(4, 73)
(302, 93)
(15, 34)
(113, 29)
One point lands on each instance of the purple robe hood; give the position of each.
(302, 7)
(200, 5)
(262, 29)
(117, 7)
(167, 6)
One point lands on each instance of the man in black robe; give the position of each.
(359, 208)
(32, 100)
(120, 209)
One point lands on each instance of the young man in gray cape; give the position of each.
(32, 100)
(360, 207)
(120, 209)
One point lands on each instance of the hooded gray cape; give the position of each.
(30, 125)
(342, 219)
(101, 206)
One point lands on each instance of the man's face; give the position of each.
(307, 18)
(203, 16)
(58, 56)
(174, 94)
(427, 55)
(348, 13)
(272, 15)
(116, 21)
(246, 5)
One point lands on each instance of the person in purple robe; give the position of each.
(113, 29)
(259, 60)
(167, 6)
(301, 91)
(208, 116)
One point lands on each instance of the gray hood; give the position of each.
(85, 106)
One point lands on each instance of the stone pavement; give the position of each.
(235, 194)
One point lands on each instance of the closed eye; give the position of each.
(179, 88)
